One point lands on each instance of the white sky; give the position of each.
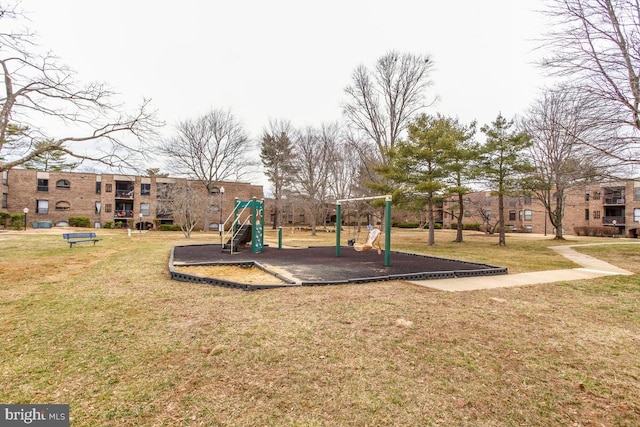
(292, 59)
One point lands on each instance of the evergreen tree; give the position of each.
(277, 158)
(50, 159)
(504, 162)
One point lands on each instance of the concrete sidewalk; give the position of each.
(590, 268)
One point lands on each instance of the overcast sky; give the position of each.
(292, 59)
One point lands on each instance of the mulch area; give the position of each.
(317, 265)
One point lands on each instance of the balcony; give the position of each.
(124, 213)
(608, 220)
(614, 201)
(124, 194)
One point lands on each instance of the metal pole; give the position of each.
(387, 232)
(280, 237)
(338, 224)
(254, 211)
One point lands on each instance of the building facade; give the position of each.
(118, 200)
(615, 205)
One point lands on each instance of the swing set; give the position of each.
(374, 234)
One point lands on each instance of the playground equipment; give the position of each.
(372, 241)
(387, 224)
(251, 228)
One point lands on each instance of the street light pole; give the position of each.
(26, 211)
(220, 226)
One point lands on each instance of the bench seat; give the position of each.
(73, 238)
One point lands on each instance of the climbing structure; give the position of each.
(252, 225)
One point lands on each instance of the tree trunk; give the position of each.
(432, 236)
(502, 240)
(460, 215)
(558, 213)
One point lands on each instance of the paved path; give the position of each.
(590, 268)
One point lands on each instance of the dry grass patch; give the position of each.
(124, 345)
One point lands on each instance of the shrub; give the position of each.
(5, 219)
(169, 227)
(596, 231)
(79, 221)
(406, 225)
(17, 221)
(473, 226)
(108, 224)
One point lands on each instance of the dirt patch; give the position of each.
(232, 273)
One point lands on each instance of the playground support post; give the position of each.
(387, 231)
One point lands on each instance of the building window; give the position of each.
(63, 206)
(4, 200)
(108, 188)
(42, 207)
(108, 208)
(98, 187)
(5, 177)
(487, 201)
(145, 209)
(467, 213)
(596, 195)
(528, 214)
(527, 200)
(636, 194)
(98, 208)
(145, 189)
(487, 214)
(43, 185)
(596, 214)
(586, 196)
(63, 183)
(586, 214)
(512, 215)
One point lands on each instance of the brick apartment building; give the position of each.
(608, 204)
(122, 200)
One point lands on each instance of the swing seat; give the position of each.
(372, 240)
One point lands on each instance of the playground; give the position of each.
(364, 262)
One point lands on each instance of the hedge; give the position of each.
(596, 231)
(79, 221)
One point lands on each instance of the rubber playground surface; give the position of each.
(320, 266)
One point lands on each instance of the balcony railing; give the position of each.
(614, 201)
(608, 220)
(128, 194)
(123, 213)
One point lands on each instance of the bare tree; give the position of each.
(344, 170)
(210, 149)
(41, 98)
(381, 103)
(313, 156)
(559, 123)
(276, 154)
(596, 44)
(183, 202)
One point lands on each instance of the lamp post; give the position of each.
(220, 226)
(26, 211)
(140, 223)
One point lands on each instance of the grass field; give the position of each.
(104, 329)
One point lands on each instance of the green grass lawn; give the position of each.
(104, 329)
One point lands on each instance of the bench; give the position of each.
(73, 238)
